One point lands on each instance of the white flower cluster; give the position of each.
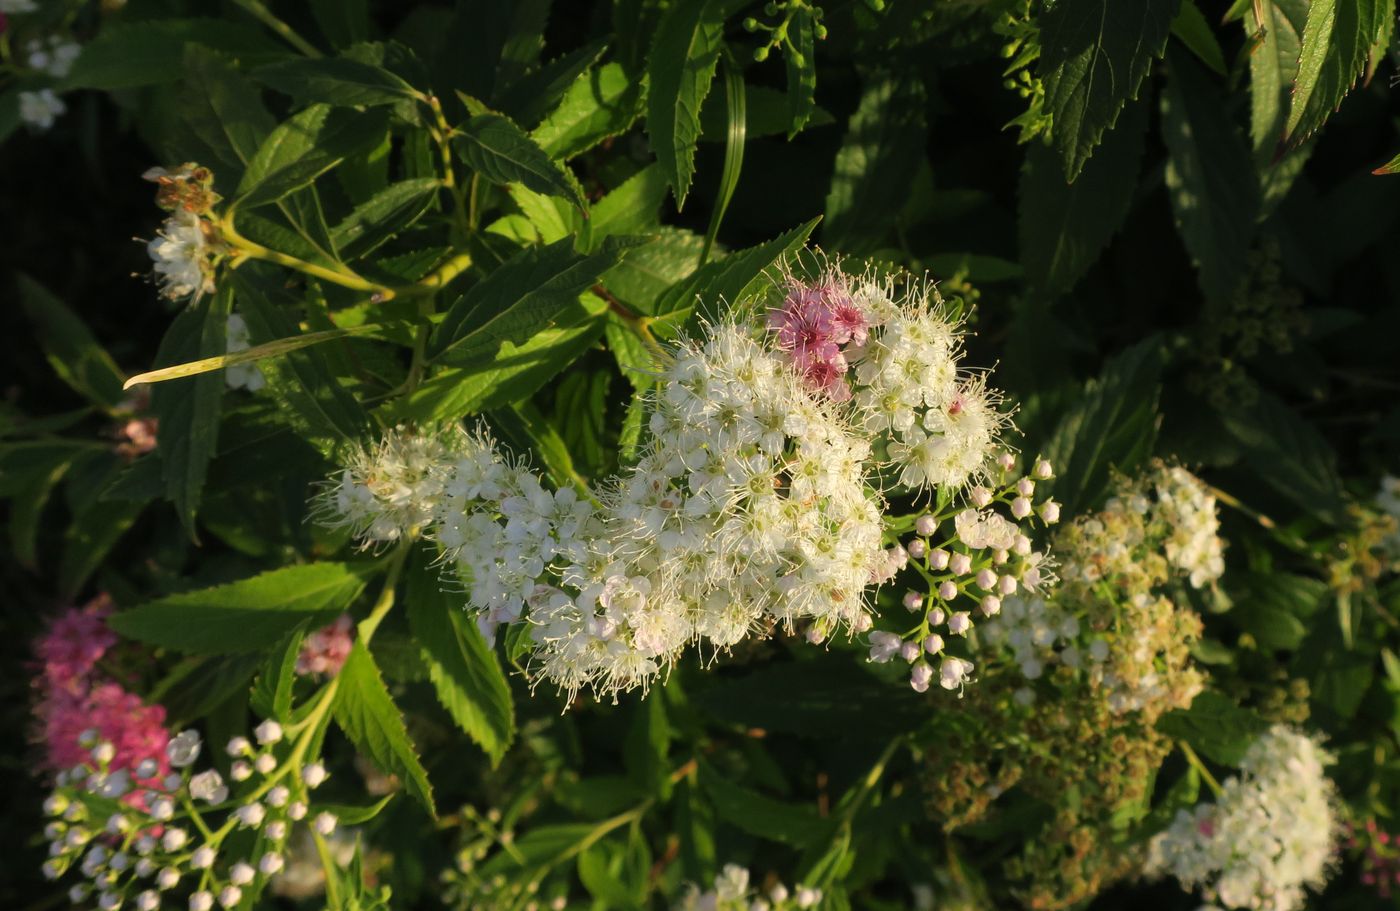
(1037, 632)
(1268, 836)
(54, 57)
(755, 503)
(1187, 507)
(40, 109)
(187, 246)
(148, 844)
(732, 891)
(241, 376)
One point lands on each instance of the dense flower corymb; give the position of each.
(1269, 835)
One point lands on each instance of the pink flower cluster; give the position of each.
(814, 324)
(75, 696)
(1380, 856)
(325, 651)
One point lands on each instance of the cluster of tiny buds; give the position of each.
(144, 851)
(985, 559)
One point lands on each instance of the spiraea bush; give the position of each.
(700, 454)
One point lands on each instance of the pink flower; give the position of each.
(804, 322)
(325, 651)
(848, 322)
(828, 376)
(135, 730)
(74, 643)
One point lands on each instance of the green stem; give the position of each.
(386, 596)
(248, 249)
(1200, 767)
(259, 11)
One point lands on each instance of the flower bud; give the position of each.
(917, 548)
(203, 900)
(240, 771)
(948, 591)
(933, 643)
(103, 753)
(1007, 461)
(145, 867)
(986, 580)
(183, 749)
(230, 896)
(925, 525)
(980, 496)
(296, 811)
(203, 858)
(913, 600)
(251, 815)
(960, 623)
(953, 672)
(1043, 470)
(275, 830)
(88, 738)
(938, 559)
(148, 900)
(1025, 487)
(265, 764)
(990, 606)
(324, 823)
(239, 746)
(162, 809)
(1006, 585)
(174, 839)
(147, 768)
(919, 677)
(909, 651)
(268, 732)
(1020, 507)
(241, 874)
(278, 796)
(313, 775)
(1050, 512)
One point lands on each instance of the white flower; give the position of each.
(230, 896)
(183, 749)
(174, 839)
(324, 823)
(54, 57)
(209, 786)
(271, 863)
(238, 746)
(1268, 837)
(203, 900)
(241, 376)
(240, 874)
(203, 858)
(181, 256)
(40, 109)
(149, 900)
(169, 876)
(313, 775)
(251, 815)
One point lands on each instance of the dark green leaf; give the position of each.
(541, 91)
(355, 816)
(500, 151)
(272, 690)
(1191, 27)
(379, 218)
(801, 60)
(1065, 226)
(522, 297)
(188, 409)
(367, 714)
(1215, 727)
(1272, 607)
(335, 81)
(70, 348)
(1112, 425)
(344, 22)
(882, 149)
(1094, 55)
(757, 814)
(94, 531)
(131, 54)
(1273, 66)
(462, 667)
(1291, 455)
(681, 68)
(246, 615)
(768, 110)
(224, 110)
(305, 147)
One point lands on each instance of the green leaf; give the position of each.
(769, 114)
(336, 81)
(224, 110)
(600, 104)
(188, 409)
(29, 490)
(1215, 727)
(681, 68)
(367, 714)
(463, 669)
(737, 135)
(519, 299)
(801, 61)
(1210, 178)
(882, 149)
(1112, 425)
(648, 271)
(632, 207)
(382, 216)
(94, 531)
(1191, 27)
(1273, 67)
(493, 146)
(1290, 455)
(729, 281)
(272, 690)
(132, 54)
(539, 92)
(516, 371)
(246, 615)
(1272, 607)
(303, 148)
(757, 814)
(344, 22)
(1065, 226)
(1337, 40)
(301, 380)
(69, 347)
(348, 815)
(1094, 55)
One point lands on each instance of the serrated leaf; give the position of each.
(337, 81)
(463, 669)
(69, 347)
(726, 282)
(648, 271)
(1191, 27)
(882, 150)
(272, 690)
(246, 615)
(348, 815)
(1290, 455)
(801, 61)
(383, 215)
(1210, 178)
(632, 207)
(1112, 425)
(1094, 55)
(94, 531)
(1273, 66)
(127, 55)
(681, 69)
(757, 814)
(520, 298)
(1337, 40)
(1065, 226)
(540, 91)
(600, 104)
(493, 146)
(223, 109)
(303, 148)
(516, 371)
(1215, 727)
(367, 714)
(188, 410)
